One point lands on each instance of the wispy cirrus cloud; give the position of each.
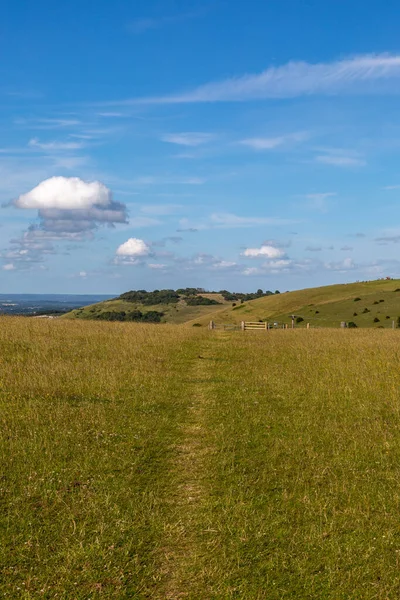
(190, 138)
(353, 75)
(269, 143)
(47, 123)
(145, 24)
(230, 221)
(337, 160)
(319, 201)
(54, 146)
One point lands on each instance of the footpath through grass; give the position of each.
(160, 462)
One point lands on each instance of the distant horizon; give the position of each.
(206, 290)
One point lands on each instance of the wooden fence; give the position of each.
(248, 326)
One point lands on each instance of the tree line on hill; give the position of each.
(152, 316)
(192, 296)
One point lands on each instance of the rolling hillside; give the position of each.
(179, 311)
(360, 302)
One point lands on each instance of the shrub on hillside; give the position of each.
(200, 301)
(234, 296)
(376, 320)
(152, 316)
(357, 299)
(351, 324)
(151, 298)
(355, 314)
(366, 310)
(299, 319)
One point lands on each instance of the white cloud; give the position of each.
(144, 24)
(134, 248)
(340, 161)
(55, 146)
(65, 193)
(251, 271)
(275, 266)
(263, 252)
(269, 143)
(9, 267)
(188, 138)
(228, 220)
(319, 201)
(263, 143)
(69, 209)
(156, 266)
(45, 123)
(345, 265)
(83, 274)
(296, 78)
(224, 264)
(391, 187)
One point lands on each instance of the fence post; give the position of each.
(308, 325)
(266, 325)
(242, 325)
(211, 325)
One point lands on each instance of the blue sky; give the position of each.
(220, 144)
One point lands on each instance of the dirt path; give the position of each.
(182, 544)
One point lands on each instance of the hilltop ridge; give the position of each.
(365, 304)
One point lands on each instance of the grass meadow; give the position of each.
(157, 461)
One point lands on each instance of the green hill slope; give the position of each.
(323, 307)
(175, 312)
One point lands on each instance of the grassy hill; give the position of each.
(173, 312)
(360, 302)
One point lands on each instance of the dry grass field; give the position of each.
(157, 461)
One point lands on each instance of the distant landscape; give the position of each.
(360, 304)
(33, 304)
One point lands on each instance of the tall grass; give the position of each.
(143, 461)
(89, 414)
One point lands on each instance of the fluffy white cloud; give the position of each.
(134, 248)
(65, 193)
(346, 264)
(9, 267)
(69, 209)
(264, 252)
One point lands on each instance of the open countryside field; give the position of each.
(360, 302)
(152, 461)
